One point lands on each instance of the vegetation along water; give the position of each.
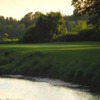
(77, 62)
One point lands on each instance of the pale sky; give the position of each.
(18, 8)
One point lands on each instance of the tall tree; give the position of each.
(56, 23)
(12, 27)
(46, 27)
(27, 19)
(51, 24)
(30, 19)
(88, 7)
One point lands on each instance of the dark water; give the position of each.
(41, 89)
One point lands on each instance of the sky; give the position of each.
(18, 8)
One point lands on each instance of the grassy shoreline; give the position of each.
(74, 62)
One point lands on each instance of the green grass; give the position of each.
(73, 61)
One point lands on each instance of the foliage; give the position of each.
(88, 7)
(30, 19)
(73, 20)
(89, 35)
(45, 28)
(11, 27)
(30, 36)
(80, 25)
(69, 37)
(39, 27)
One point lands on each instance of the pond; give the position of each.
(41, 89)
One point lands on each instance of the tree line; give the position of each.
(53, 26)
(10, 28)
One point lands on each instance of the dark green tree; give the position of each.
(56, 23)
(46, 27)
(30, 19)
(90, 8)
(12, 27)
(27, 19)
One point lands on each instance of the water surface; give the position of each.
(41, 89)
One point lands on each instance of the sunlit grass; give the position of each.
(52, 46)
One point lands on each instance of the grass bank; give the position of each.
(76, 62)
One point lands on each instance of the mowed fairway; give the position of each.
(73, 61)
(53, 46)
(61, 52)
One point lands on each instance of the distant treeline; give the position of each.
(53, 26)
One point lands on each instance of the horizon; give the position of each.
(19, 8)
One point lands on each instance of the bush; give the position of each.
(66, 37)
(89, 35)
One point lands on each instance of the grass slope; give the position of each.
(75, 62)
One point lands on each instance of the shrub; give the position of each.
(89, 35)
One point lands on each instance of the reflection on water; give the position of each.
(17, 89)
